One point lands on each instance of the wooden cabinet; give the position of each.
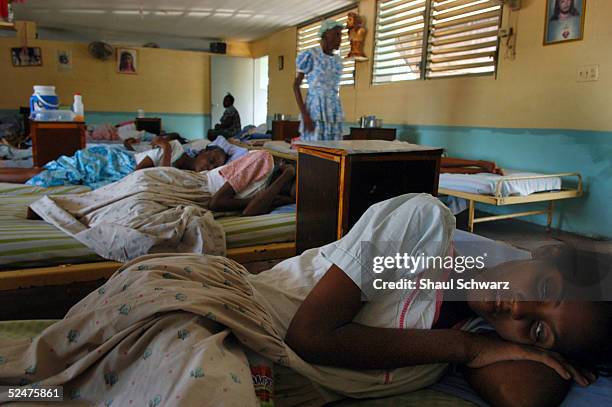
(339, 182)
(285, 129)
(151, 125)
(50, 140)
(372, 133)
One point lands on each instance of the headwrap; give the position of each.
(329, 25)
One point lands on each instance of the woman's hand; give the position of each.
(486, 350)
(308, 123)
(160, 142)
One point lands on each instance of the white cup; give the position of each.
(141, 114)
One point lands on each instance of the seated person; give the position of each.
(229, 125)
(461, 166)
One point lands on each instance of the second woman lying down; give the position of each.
(100, 165)
(167, 209)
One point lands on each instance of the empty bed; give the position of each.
(516, 187)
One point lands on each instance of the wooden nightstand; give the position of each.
(50, 140)
(338, 181)
(151, 125)
(285, 129)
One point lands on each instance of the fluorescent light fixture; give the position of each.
(82, 11)
(130, 12)
(168, 13)
(198, 13)
(218, 14)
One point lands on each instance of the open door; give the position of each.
(236, 76)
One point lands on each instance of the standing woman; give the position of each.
(322, 114)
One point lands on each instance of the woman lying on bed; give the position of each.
(329, 291)
(101, 165)
(165, 209)
(462, 166)
(164, 326)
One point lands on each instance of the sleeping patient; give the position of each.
(166, 209)
(176, 327)
(102, 164)
(462, 166)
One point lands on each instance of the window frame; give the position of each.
(425, 50)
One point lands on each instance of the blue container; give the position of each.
(44, 98)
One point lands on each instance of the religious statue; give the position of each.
(357, 34)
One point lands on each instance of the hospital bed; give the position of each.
(452, 390)
(514, 188)
(35, 253)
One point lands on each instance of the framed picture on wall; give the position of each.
(64, 60)
(564, 21)
(26, 56)
(127, 61)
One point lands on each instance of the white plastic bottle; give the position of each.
(78, 109)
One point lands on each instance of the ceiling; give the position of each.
(244, 20)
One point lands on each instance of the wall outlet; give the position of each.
(587, 73)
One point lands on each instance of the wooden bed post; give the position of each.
(471, 216)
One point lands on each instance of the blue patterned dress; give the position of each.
(323, 73)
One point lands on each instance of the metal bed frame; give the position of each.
(497, 199)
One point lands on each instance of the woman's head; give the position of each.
(564, 7)
(228, 100)
(126, 61)
(331, 34)
(539, 309)
(210, 158)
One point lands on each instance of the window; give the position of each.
(460, 39)
(308, 37)
(400, 28)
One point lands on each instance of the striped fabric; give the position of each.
(15, 330)
(33, 243)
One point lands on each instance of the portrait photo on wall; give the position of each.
(64, 60)
(564, 21)
(26, 56)
(127, 60)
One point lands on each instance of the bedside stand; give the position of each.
(50, 140)
(339, 180)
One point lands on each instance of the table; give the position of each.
(339, 180)
(50, 140)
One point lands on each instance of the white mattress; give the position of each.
(485, 184)
(280, 146)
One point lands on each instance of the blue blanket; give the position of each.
(94, 166)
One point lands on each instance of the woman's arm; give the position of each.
(308, 125)
(166, 148)
(145, 163)
(329, 311)
(264, 201)
(225, 200)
